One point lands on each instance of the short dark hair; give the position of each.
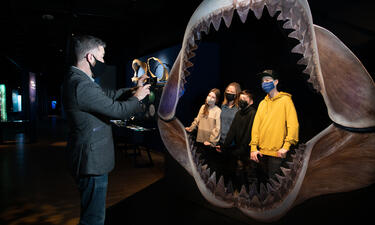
(82, 44)
(248, 93)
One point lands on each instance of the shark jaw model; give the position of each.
(340, 158)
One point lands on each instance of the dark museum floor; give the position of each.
(35, 188)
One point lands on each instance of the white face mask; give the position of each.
(210, 101)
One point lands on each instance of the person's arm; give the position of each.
(195, 123)
(255, 130)
(91, 98)
(215, 134)
(292, 126)
(115, 94)
(247, 138)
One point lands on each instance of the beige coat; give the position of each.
(208, 127)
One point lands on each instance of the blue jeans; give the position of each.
(93, 191)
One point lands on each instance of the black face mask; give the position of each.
(243, 104)
(98, 69)
(230, 97)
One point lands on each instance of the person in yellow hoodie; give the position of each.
(275, 127)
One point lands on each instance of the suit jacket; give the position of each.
(89, 109)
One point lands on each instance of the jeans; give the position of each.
(93, 191)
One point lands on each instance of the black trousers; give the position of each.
(267, 167)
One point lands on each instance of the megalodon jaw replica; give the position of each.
(340, 158)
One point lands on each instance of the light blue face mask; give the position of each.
(268, 86)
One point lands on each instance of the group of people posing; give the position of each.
(240, 142)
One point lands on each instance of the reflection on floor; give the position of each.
(35, 187)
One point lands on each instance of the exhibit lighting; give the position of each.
(17, 101)
(53, 104)
(3, 110)
(32, 88)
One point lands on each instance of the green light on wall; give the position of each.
(3, 109)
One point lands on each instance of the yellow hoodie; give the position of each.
(275, 125)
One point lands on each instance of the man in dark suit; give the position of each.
(88, 110)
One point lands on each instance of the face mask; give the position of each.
(242, 104)
(230, 97)
(98, 69)
(210, 101)
(268, 86)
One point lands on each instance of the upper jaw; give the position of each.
(315, 44)
(299, 18)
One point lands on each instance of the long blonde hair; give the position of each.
(238, 90)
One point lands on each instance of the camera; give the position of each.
(151, 80)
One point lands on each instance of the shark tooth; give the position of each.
(190, 55)
(243, 197)
(197, 35)
(196, 159)
(205, 174)
(216, 20)
(205, 27)
(253, 190)
(286, 171)
(296, 17)
(230, 188)
(303, 61)
(186, 73)
(199, 168)
(275, 184)
(191, 41)
(243, 192)
(270, 188)
(281, 17)
(220, 188)
(211, 183)
(298, 49)
(263, 191)
(290, 165)
(257, 8)
(242, 13)
(228, 16)
(286, 8)
(273, 7)
(193, 150)
(268, 200)
(288, 25)
(277, 196)
(295, 34)
(300, 151)
(281, 179)
(255, 202)
(296, 23)
(188, 64)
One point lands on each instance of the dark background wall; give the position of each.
(37, 35)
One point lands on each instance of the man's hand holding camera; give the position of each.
(142, 90)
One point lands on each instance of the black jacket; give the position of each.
(239, 133)
(88, 110)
